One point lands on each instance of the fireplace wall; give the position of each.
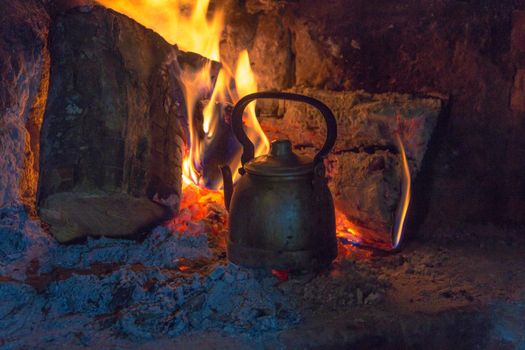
(472, 52)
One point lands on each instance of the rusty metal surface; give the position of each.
(281, 222)
(281, 161)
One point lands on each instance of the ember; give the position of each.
(282, 275)
(198, 204)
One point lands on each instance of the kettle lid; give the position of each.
(281, 161)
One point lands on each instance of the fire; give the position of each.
(196, 204)
(187, 24)
(246, 84)
(348, 232)
(195, 85)
(192, 27)
(405, 196)
(181, 22)
(209, 123)
(198, 84)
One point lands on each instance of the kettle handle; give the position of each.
(248, 147)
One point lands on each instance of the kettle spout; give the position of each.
(227, 183)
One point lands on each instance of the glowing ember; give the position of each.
(282, 275)
(346, 230)
(201, 210)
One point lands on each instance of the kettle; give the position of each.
(281, 212)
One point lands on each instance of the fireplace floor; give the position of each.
(462, 290)
(438, 294)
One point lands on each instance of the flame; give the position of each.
(181, 22)
(187, 24)
(197, 203)
(346, 229)
(246, 84)
(405, 196)
(348, 232)
(209, 122)
(196, 85)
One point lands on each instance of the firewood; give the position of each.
(365, 165)
(113, 132)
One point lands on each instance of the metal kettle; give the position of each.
(281, 210)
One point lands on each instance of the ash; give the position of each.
(120, 292)
(175, 289)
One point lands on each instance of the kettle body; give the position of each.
(281, 212)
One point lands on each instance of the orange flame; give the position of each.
(360, 235)
(195, 84)
(402, 209)
(181, 22)
(187, 24)
(246, 84)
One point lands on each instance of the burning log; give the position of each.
(366, 166)
(24, 66)
(113, 132)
